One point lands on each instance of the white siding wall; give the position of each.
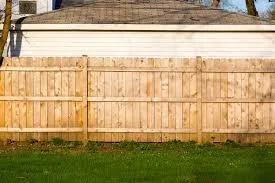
(142, 44)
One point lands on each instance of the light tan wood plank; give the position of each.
(150, 85)
(114, 84)
(259, 116)
(15, 104)
(2, 103)
(129, 84)
(172, 115)
(128, 117)
(266, 83)
(164, 115)
(238, 115)
(71, 105)
(252, 115)
(186, 84)
(272, 121)
(42, 130)
(121, 119)
(43, 93)
(193, 120)
(108, 120)
(231, 85)
(150, 115)
(22, 104)
(172, 85)
(84, 109)
(272, 85)
(57, 92)
(115, 120)
(259, 85)
(157, 93)
(245, 116)
(238, 85)
(158, 118)
(101, 105)
(244, 85)
(231, 115)
(108, 105)
(233, 132)
(186, 119)
(143, 105)
(164, 84)
(252, 85)
(29, 92)
(8, 90)
(224, 85)
(224, 119)
(65, 92)
(266, 115)
(141, 130)
(178, 115)
(193, 85)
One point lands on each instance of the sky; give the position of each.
(239, 5)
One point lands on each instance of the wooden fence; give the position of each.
(142, 99)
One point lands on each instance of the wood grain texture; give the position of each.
(142, 99)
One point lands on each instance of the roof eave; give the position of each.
(140, 27)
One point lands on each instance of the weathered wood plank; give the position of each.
(57, 92)
(71, 92)
(44, 92)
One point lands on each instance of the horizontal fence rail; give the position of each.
(141, 99)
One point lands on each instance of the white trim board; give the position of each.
(141, 27)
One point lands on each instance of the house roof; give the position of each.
(140, 12)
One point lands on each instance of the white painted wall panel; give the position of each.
(142, 44)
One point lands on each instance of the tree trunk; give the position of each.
(6, 27)
(251, 8)
(216, 3)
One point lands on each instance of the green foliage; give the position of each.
(58, 141)
(231, 143)
(172, 161)
(94, 146)
(177, 144)
(208, 145)
(133, 146)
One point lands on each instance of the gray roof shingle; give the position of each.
(140, 12)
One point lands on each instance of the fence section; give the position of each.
(143, 99)
(238, 98)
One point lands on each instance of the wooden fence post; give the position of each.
(85, 98)
(199, 99)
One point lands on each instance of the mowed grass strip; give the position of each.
(137, 162)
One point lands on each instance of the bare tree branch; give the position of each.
(251, 8)
(216, 3)
(6, 26)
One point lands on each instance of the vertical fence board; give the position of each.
(43, 105)
(2, 104)
(71, 92)
(51, 93)
(142, 99)
(57, 92)
(8, 108)
(65, 92)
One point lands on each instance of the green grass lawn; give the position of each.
(133, 162)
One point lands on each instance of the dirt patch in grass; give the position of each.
(58, 145)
